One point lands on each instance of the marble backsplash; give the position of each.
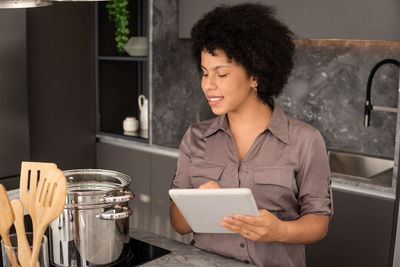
(326, 88)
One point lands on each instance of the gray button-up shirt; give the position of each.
(286, 168)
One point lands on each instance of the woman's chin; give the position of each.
(218, 112)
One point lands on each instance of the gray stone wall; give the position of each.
(326, 88)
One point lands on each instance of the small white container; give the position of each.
(130, 124)
(143, 104)
(136, 46)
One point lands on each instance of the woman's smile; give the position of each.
(214, 100)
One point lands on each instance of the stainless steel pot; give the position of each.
(94, 226)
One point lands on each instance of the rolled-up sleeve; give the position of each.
(182, 176)
(313, 178)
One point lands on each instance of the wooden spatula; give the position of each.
(24, 249)
(6, 221)
(49, 204)
(30, 176)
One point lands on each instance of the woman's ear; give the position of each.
(253, 82)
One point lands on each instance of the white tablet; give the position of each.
(203, 209)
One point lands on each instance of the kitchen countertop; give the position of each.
(379, 187)
(181, 254)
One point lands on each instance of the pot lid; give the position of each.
(95, 181)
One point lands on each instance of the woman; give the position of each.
(245, 56)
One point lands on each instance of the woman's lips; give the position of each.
(214, 100)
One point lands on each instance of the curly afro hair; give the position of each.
(253, 36)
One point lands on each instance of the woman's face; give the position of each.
(225, 84)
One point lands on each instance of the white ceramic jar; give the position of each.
(130, 124)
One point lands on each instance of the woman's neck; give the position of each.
(254, 117)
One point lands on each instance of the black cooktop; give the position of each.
(138, 253)
(135, 253)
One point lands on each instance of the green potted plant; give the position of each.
(119, 14)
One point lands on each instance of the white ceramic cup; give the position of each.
(130, 124)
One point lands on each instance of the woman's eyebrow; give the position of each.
(216, 67)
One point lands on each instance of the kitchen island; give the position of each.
(181, 254)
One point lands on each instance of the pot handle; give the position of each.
(115, 214)
(126, 196)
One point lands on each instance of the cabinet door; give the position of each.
(359, 233)
(14, 133)
(137, 165)
(351, 19)
(162, 172)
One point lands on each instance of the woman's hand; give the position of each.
(266, 227)
(208, 185)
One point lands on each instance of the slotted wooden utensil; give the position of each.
(24, 249)
(6, 221)
(49, 204)
(30, 176)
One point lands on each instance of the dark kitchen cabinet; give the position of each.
(359, 233)
(14, 133)
(352, 19)
(120, 78)
(152, 175)
(136, 164)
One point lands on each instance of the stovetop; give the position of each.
(138, 253)
(135, 253)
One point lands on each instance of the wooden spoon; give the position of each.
(30, 176)
(24, 249)
(49, 204)
(6, 221)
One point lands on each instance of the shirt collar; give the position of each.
(219, 123)
(278, 125)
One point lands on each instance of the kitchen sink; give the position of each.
(359, 166)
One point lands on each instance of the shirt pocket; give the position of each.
(202, 171)
(272, 189)
(274, 176)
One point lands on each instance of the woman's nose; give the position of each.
(208, 83)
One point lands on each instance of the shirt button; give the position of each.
(246, 261)
(242, 245)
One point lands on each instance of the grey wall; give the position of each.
(351, 19)
(326, 88)
(14, 131)
(61, 84)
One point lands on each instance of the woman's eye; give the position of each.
(205, 75)
(222, 75)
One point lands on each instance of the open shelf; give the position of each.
(120, 78)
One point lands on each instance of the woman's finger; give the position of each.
(209, 185)
(238, 226)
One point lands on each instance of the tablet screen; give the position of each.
(203, 209)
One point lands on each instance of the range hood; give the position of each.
(35, 3)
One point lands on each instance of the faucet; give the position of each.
(394, 255)
(368, 105)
